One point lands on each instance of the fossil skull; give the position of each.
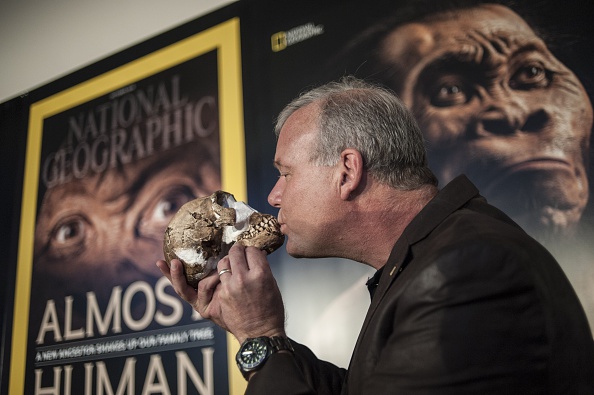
(204, 229)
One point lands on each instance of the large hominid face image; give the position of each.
(493, 102)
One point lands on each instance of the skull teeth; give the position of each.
(267, 225)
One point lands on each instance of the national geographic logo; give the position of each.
(282, 40)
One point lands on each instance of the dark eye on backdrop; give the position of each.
(69, 235)
(449, 91)
(161, 209)
(169, 204)
(70, 232)
(530, 76)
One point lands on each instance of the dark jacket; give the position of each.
(467, 303)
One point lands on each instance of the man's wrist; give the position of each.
(272, 333)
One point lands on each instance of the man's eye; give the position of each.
(530, 76)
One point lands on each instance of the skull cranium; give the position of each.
(204, 229)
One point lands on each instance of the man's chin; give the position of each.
(297, 251)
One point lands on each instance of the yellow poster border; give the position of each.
(225, 38)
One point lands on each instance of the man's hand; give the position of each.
(245, 301)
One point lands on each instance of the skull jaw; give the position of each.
(263, 232)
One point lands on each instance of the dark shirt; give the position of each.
(373, 282)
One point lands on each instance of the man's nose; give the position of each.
(274, 197)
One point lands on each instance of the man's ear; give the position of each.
(351, 172)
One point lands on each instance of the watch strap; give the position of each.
(280, 343)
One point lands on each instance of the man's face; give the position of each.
(303, 190)
(494, 103)
(108, 229)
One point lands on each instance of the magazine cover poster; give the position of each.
(502, 92)
(109, 162)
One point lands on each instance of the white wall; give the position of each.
(46, 39)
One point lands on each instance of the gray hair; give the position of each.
(372, 120)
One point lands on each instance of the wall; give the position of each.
(43, 40)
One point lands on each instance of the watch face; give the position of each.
(252, 353)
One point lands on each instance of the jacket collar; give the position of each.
(453, 196)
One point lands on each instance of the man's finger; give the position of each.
(206, 289)
(180, 285)
(164, 267)
(238, 263)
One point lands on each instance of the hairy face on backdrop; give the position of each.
(107, 229)
(493, 102)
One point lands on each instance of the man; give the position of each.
(493, 102)
(463, 301)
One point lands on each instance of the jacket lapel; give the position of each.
(452, 197)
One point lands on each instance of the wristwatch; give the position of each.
(254, 352)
